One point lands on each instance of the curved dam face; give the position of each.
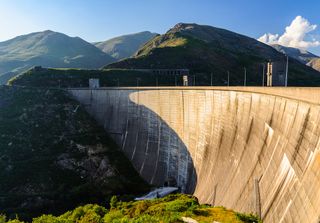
(249, 149)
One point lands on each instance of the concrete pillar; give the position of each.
(94, 83)
(269, 74)
(185, 80)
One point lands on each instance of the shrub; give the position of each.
(3, 218)
(112, 216)
(248, 218)
(113, 202)
(46, 219)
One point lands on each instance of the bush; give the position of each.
(112, 216)
(113, 202)
(248, 218)
(3, 218)
(46, 219)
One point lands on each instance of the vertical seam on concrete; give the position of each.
(257, 198)
(169, 143)
(127, 121)
(184, 136)
(138, 130)
(159, 136)
(301, 137)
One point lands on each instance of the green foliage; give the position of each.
(113, 216)
(3, 218)
(68, 78)
(248, 218)
(169, 209)
(113, 202)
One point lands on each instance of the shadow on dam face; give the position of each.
(153, 147)
(250, 149)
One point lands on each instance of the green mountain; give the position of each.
(48, 49)
(207, 50)
(126, 45)
(54, 157)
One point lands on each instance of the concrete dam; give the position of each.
(251, 149)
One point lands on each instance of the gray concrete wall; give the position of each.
(242, 148)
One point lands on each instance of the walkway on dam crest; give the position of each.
(306, 94)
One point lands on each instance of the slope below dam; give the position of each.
(250, 149)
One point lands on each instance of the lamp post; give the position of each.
(263, 74)
(287, 67)
(245, 77)
(228, 78)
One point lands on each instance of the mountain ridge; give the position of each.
(124, 46)
(204, 50)
(50, 49)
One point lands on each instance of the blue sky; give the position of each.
(96, 20)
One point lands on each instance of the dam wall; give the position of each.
(251, 149)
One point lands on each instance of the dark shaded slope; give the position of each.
(53, 156)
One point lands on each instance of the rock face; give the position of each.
(243, 148)
(315, 64)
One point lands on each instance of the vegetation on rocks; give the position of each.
(173, 208)
(53, 156)
(64, 78)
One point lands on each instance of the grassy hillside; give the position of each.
(207, 50)
(171, 209)
(126, 45)
(80, 78)
(53, 156)
(49, 49)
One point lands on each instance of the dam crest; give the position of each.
(251, 149)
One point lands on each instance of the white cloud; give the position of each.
(295, 35)
(269, 38)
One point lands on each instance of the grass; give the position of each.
(173, 43)
(169, 209)
(65, 78)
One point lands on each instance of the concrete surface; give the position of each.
(249, 149)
